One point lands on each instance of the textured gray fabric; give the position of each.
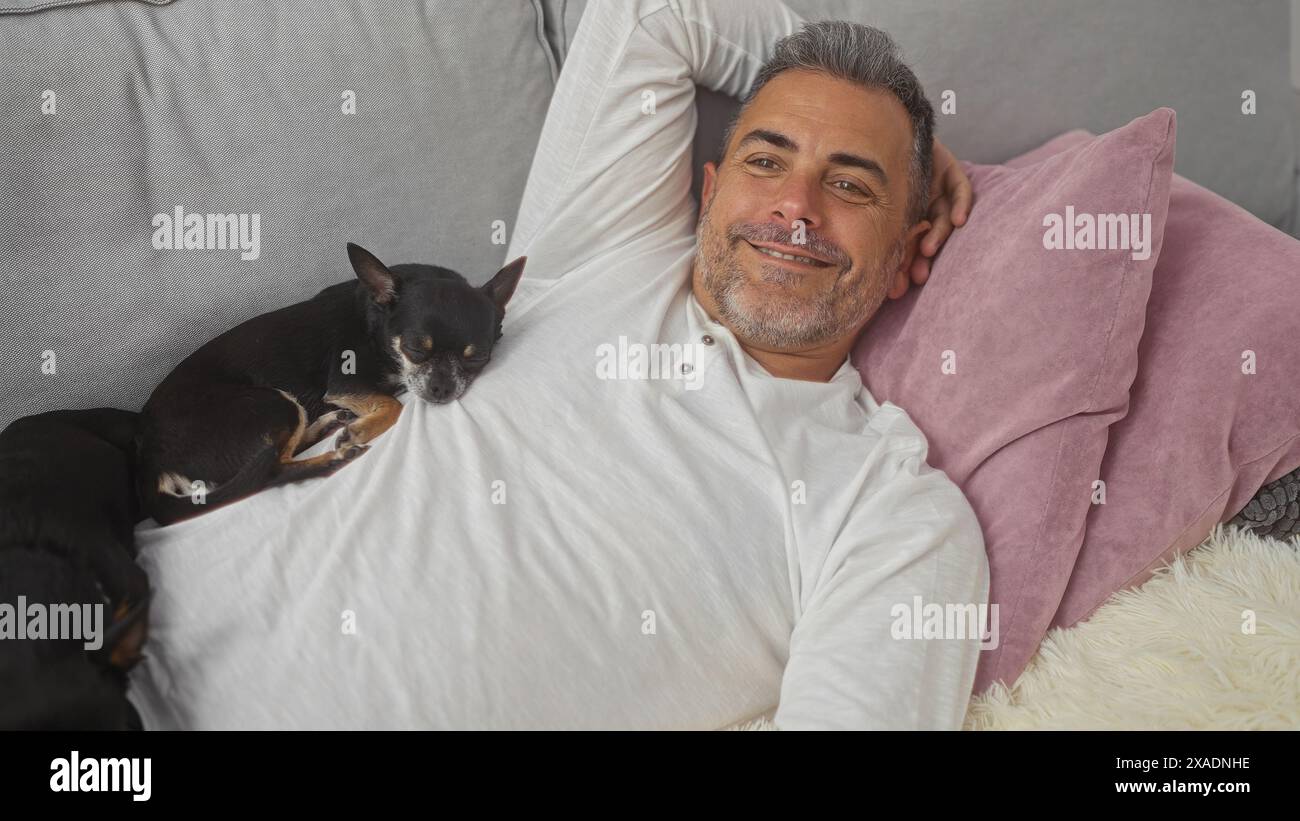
(1275, 510)
(31, 6)
(550, 36)
(556, 29)
(235, 108)
(1025, 72)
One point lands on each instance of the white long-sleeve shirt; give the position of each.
(561, 549)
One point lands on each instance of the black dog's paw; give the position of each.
(345, 439)
(347, 453)
(350, 436)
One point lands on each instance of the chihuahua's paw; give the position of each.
(349, 452)
(338, 418)
(351, 435)
(331, 423)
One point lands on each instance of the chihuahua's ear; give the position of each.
(381, 282)
(502, 285)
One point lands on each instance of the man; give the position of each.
(833, 86)
(587, 539)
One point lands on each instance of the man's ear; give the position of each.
(710, 180)
(381, 282)
(903, 277)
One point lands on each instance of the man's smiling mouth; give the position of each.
(795, 258)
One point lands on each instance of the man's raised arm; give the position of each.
(614, 158)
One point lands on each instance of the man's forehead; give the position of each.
(816, 111)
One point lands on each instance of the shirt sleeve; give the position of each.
(856, 660)
(614, 158)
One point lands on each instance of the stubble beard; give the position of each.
(774, 317)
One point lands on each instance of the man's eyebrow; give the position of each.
(763, 135)
(838, 158)
(868, 165)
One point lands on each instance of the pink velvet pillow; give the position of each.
(1201, 435)
(1015, 358)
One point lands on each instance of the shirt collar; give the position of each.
(700, 324)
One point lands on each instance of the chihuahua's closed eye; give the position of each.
(228, 421)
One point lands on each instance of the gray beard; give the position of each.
(782, 321)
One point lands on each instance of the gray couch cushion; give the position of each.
(1025, 72)
(30, 6)
(236, 108)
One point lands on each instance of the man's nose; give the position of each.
(799, 199)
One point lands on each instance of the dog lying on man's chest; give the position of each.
(228, 421)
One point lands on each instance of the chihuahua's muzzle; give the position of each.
(439, 379)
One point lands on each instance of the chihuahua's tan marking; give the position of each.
(376, 413)
(128, 650)
(324, 425)
(173, 483)
(290, 446)
(322, 459)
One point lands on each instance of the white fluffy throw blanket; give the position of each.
(1211, 641)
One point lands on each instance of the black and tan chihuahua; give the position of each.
(228, 421)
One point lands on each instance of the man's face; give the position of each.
(820, 150)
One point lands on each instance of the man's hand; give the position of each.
(950, 203)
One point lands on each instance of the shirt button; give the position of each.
(706, 339)
(687, 368)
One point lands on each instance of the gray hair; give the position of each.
(869, 57)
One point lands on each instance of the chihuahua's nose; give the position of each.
(439, 392)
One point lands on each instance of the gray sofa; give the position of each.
(410, 128)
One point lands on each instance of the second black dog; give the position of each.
(67, 516)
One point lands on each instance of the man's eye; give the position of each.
(852, 188)
(762, 160)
